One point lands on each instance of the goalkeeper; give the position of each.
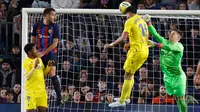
(170, 62)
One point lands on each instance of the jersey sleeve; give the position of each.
(34, 30)
(155, 34)
(56, 31)
(174, 48)
(127, 26)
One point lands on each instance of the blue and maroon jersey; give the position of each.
(44, 35)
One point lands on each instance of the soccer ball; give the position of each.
(123, 6)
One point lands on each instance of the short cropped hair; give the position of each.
(131, 9)
(47, 11)
(177, 31)
(28, 47)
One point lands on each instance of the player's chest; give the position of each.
(45, 32)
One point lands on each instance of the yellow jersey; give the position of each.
(137, 31)
(36, 81)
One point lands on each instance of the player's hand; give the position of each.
(147, 18)
(51, 63)
(106, 46)
(37, 61)
(40, 54)
(127, 46)
(151, 43)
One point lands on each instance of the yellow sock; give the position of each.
(128, 95)
(125, 89)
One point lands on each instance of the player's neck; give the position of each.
(46, 22)
(31, 57)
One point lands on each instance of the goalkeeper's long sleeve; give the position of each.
(155, 34)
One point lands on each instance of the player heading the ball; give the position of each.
(136, 30)
(45, 35)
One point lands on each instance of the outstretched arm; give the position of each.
(152, 30)
(155, 34)
(176, 48)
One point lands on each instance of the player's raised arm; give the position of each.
(34, 33)
(152, 30)
(121, 38)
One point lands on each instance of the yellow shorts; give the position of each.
(35, 99)
(135, 59)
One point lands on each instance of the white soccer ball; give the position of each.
(123, 6)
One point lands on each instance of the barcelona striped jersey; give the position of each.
(44, 35)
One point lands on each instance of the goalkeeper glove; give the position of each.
(147, 18)
(153, 44)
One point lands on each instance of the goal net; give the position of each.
(91, 79)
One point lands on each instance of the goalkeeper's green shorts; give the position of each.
(175, 85)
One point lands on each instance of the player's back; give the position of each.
(36, 82)
(138, 32)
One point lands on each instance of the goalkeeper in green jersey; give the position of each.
(170, 63)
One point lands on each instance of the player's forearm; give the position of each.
(155, 34)
(46, 70)
(120, 39)
(29, 74)
(50, 48)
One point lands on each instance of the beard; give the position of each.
(163, 94)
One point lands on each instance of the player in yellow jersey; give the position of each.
(35, 92)
(136, 30)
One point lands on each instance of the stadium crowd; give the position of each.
(86, 73)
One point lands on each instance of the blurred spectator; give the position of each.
(182, 6)
(89, 97)
(71, 89)
(41, 4)
(110, 77)
(140, 101)
(68, 47)
(15, 58)
(7, 77)
(16, 91)
(146, 90)
(83, 79)
(170, 3)
(9, 97)
(64, 95)
(196, 92)
(84, 90)
(151, 4)
(19, 98)
(109, 97)
(141, 5)
(66, 74)
(77, 97)
(18, 28)
(65, 4)
(3, 12)
(13, 10)
(190, 77)
(94, 67)
(118, 89)
(163, 7)
(194, 5)
(101, 91)
(143, 73)
(163, 98)
(76, 62)
(190, 99)
(3, 92)
(103, 4)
